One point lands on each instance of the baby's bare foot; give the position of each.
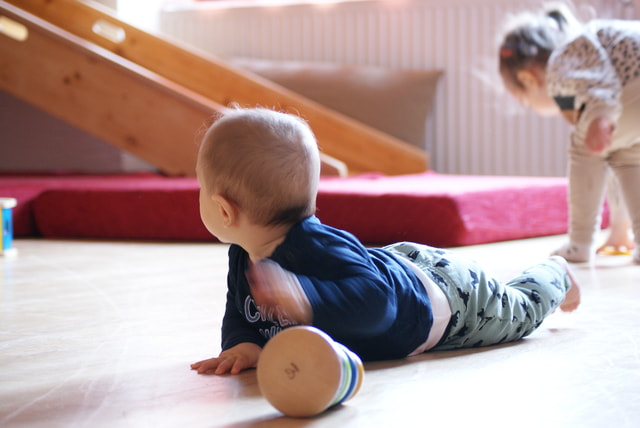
(572, 298)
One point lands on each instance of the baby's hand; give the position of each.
(233, 360)
(276, 289)
(599, 135)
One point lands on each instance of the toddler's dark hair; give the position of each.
(532, 38)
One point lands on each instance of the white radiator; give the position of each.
(476, 128)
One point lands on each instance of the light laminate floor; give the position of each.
(101, 334)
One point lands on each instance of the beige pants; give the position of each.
(588, 174)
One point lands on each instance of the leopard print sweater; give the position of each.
(588, 73)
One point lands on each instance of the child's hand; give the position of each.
(599, 135)
(275, 289)
(233, 360)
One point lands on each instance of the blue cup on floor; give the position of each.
(6, 243)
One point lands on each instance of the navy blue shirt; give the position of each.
(366, 299)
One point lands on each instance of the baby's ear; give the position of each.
(528, 78)
(228, 209)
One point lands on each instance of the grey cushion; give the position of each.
(397, 102)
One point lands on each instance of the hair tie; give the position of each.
(506, 52)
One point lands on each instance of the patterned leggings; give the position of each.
(484, 311)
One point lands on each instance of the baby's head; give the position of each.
(530, 38)
(265, 162)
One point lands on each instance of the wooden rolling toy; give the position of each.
(302, 372)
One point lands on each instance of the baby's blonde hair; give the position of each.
(264, 161)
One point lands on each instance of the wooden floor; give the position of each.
(101, 334)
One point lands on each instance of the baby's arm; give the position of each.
(358, 302)
(274, 288)
(233, 360)
(599, 134)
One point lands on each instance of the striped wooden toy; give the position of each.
(303, 372)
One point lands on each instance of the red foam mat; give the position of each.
(436, 209)
(445, 210)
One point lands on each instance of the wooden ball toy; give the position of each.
(302, 372)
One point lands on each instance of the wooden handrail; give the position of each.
(361, 147)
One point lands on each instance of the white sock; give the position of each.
(576, 253)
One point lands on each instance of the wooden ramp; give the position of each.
(129, 87)
(101, 93)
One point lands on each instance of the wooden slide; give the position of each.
(147, 95)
